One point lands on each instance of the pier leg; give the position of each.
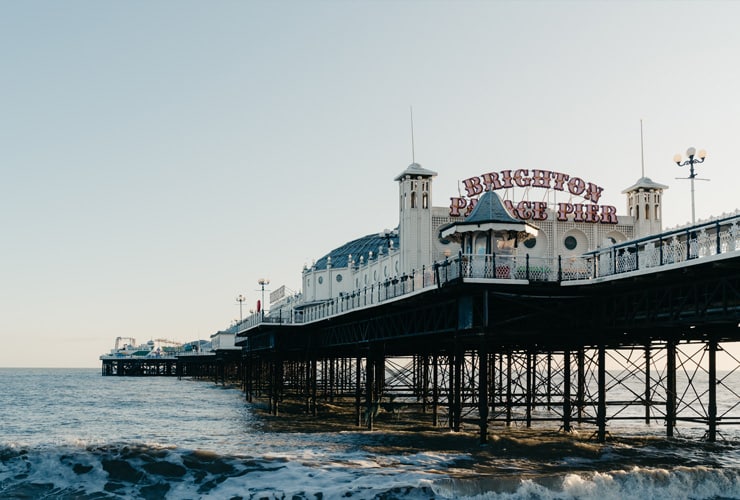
(435, 390)
(314, 387)
(528, 400)
(459, 360)
(369, 391)
(358, 391)
(509, 401)
(647, 384)
(712, 409)
(581, 390)
(483, 392)
(425, 385)
(670, 403)
(566, 391)
(549, 381)
(601, 411)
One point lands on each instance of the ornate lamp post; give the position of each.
(693, 158)
(262, 282)
(241, 298)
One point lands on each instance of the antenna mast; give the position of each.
(413, 157)
(642, 151)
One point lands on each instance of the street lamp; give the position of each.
(693, 158)
(262, 282)
(241, 298)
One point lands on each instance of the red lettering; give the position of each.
(578, 215)
(609, 215)
(576, 186)
(593, 192)
(506, 175)
(541, 178)
(539, 210)
(524, 210)
(592, 213)
(455, 205)
(473, 186)
(520, 179)
(491, 182)
(471, 205)
(559, 180)
(563, 210)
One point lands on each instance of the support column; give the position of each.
(435, 390)
(670, 403)
(566, 391)
(358, 392)
(581, 390)
(369, 391)
(647, 383)
(459, 360)
(483, 391)
(712, 409)
(509, 401)
(601, 410)
(528, 399)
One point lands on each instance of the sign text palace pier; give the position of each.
(508, 313)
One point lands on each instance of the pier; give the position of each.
(488, 340)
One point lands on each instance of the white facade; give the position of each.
(371, 261)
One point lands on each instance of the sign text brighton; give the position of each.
(537, 210)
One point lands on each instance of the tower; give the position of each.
(415, 217)
(644, 205)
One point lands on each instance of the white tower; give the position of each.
(415, 214)
(644, 205)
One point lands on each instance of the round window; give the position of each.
(339, 278)
(321, 279)
(570, 242)
(530, 243)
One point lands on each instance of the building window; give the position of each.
(413, 200)
(425, 200)
(339, 278)
(321, 279)
(530, 243)
(570, 243)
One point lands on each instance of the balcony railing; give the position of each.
(645, 255)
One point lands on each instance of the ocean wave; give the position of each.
(690, 483)
(153, 471)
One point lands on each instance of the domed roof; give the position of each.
(644, 183)
(415, 170)
(361, 247)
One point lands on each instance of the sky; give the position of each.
(158, 158)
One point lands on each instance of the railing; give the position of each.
(700, 241)
(704, 240)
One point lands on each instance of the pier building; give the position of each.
(494, 308)
(524, 301)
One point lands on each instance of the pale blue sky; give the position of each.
(159, 157)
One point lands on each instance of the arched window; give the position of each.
(647, 212)
(425, 200)
(413, 200)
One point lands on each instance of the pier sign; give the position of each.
(588, 211)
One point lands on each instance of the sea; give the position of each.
(75, 434)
